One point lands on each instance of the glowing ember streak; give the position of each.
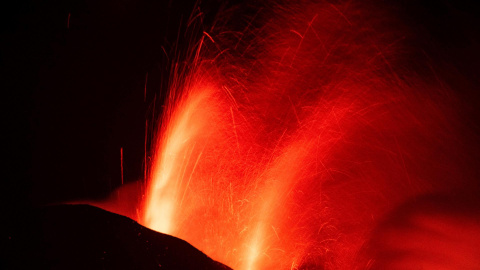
(121, 164)
(68, 20)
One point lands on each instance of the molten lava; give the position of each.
(286, 141)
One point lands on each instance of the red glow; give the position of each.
(285, 150)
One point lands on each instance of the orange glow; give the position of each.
(180, 149)
(285, 152)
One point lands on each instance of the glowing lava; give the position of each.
(173, 168)
(284, 145)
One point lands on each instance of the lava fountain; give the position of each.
(293, 131)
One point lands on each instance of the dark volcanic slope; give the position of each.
(86, 237)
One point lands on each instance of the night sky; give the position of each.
(73, 79)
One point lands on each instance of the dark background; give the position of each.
(73, 96)
(73, 83)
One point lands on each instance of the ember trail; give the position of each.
(293, 132)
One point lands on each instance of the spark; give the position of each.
(121, 164)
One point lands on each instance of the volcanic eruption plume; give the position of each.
(294, 127)
(279, 135)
